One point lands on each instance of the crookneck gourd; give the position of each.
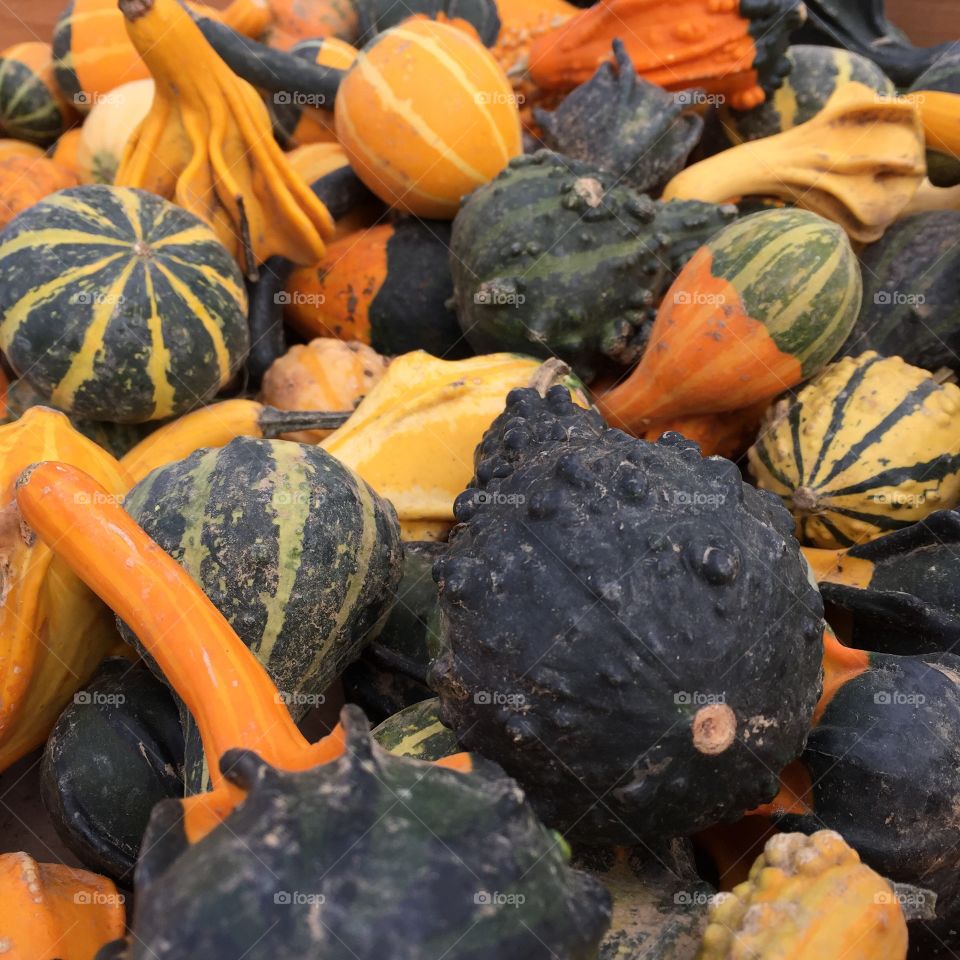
(54, 630)
(298, 553)
(730, 48)
(870, 446)
(761, 306)
(677, 564)
(911, 293)
(207, 145)
(412, 437)
(31, 105)
(902, 589)
(815, 75)
(807, 898)
(334, 801)
(619, 122)
(118, 305)
(827, 165)
(574, 264)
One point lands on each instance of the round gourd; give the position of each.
(426, 115)
(119, 305)
(109, 126)
(815, 73)
(296, 551)
(324, 374)
(64, 151)
(19, 148)
(868, 447)
(25, 181)
(296, 21)
(298, 120)
(31, 106)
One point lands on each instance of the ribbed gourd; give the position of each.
(31, 106)
(118, 305)
(868, 447)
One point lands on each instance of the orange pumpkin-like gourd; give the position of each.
(426, 115)
(324, 374)
(65, 152)
(19, 148)
(293, 21)
(26, 180)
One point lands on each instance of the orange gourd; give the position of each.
(427, 115)
(65, 150)
(19, 148)
(292, 21)
(324, 374)
(26, 180)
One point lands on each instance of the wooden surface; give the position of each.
(926, 21)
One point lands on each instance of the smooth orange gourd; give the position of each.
(26, 180)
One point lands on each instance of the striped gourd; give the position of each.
(297, 119)
(118, 305)
(868, 447)
(426, 115)
(815, 73)
(417, 732)
(296, 551)
(763, 305)
(31, 106)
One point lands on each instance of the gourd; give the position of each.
(941, 128)
(188, 852)
(42, 597)
(155, 306)
(294, 21)
(807, 897)
(566, 635)
(206, 145)
(482, 16)
(415, 150)
(386, 286)
(19, 148)
(64, 152)
(322, 375)
(215, 426)
(50, 910)
(862, 26)
(412, 437)
(728, 434)
(900, 589)
(868, 447)
(25, 181)
(762, 305)
(620, 123)
(123, 731)
(555, 258)
(823, 165)
(908, 312)
(300, 120)
(816, 73)
(31, 106)
(728, 48)
(416, 731)
(108, 128)
(300, 555)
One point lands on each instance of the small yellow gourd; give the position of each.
(807, 898)
(858, 162)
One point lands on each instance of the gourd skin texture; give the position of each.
(418, 151)
(908, 312)
(808, 897)
(395, 880)
(764, 304)
(108, 128)
(54, 630)
(607, 662)
(417, 732)
(25, 181)
(868, 447)
(298, 553)
(555, 258)
(120, 306)
(31, 106)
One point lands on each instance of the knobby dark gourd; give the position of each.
(298, 553)
(555, 258)
(911, 293)
(620, 123)
(119, 305)
(120, 735)
(617, 671)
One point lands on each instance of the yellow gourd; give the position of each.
(858, 162)
(807, 898)
(108, 128)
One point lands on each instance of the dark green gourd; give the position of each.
(617, 618)
(418, 732)
(369, 856)
(295, 550)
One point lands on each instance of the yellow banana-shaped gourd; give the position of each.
(207, 145)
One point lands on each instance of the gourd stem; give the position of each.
(272, 70)
(273, 422)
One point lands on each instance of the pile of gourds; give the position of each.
(566, 390)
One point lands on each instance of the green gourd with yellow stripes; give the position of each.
(870, 446)
(116, 304)
(294, 549)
